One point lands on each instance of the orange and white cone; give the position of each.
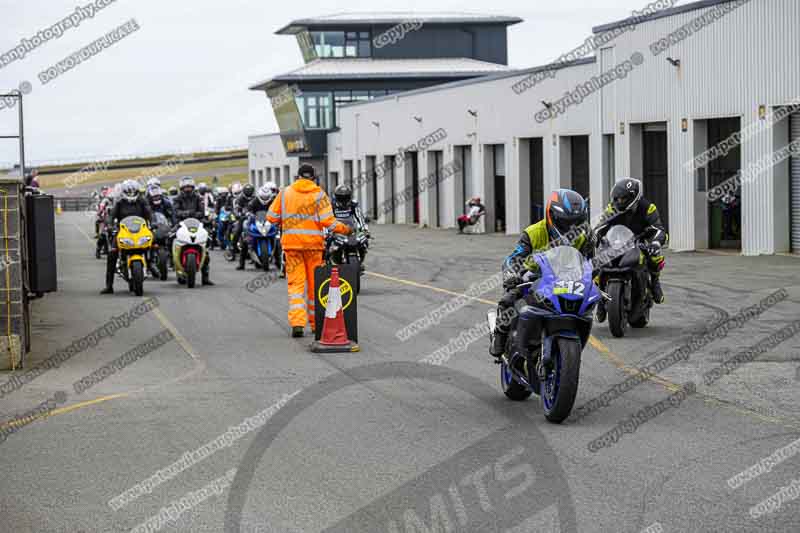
(334, 331)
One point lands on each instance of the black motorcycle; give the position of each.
(624, 276)
(160, 256)
(348, 249)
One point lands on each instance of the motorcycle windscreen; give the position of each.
(134, 224)
(159, 219)
(192, 224)
(566, 263)
(620, 238)
(261, 216)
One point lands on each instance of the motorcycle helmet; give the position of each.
(202, 188)
(173, 191)
(155, 194)
(565, 209)
(265, 194)
(236, 188)
(153, 182)
(248, 190)
(186, 185)
(626, 194)
(272, 187)
(130, 190)
(343, 194)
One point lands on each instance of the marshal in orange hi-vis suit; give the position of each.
(303, 210)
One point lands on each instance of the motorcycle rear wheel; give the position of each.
(163, 259)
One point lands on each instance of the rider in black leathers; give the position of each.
(240, 210)
(347, 210)
(629, 208)
(129, 204)
(188, 204)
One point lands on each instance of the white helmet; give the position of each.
(265, 193)
(153, 182)
(186, 181)
(236, 188)
(130, 190)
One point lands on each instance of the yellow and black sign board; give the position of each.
(348, 276)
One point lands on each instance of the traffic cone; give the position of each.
(334, 332)
(58, 208)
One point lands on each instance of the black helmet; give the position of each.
(626, 194)
(248, 190)
(307, 171)
(343, 194)
(173, 191)
(565, 210)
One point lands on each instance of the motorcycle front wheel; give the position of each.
(137, 278)
(163, 260)
(191, 269)
(561, 383)
(617, 321)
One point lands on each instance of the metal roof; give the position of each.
(376, 69)
(373, 18)
(702, 4)
(483, 79)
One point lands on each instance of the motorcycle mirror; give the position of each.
(606, 296)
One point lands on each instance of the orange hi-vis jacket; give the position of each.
(303, 210)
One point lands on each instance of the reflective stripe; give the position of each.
(303, 232)
(297, 296)
(297, 306)
(274, 215)
(301, 217)
(283, 203)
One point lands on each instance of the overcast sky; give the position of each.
(180, 81)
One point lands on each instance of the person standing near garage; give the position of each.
(303, 211)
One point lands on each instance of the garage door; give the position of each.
(795, 165)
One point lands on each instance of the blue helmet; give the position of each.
(565, 209)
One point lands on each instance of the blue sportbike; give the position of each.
(264, 241)
(558, 307)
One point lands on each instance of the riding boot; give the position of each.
(205, 271)
(655, 288)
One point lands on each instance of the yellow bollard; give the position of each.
(58, 208)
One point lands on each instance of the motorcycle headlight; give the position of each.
(127, 242)
(144, 240)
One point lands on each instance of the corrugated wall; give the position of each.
(747, 58)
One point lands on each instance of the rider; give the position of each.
(346, 209)
(188, 204)
(565, 223)
(130, 203)
(103, 211)
(239, 210)
(173, 193)
(159, 204)
(629, 208)
(261, 201)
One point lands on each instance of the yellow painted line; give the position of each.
(62, 410)
(181, 340)
(613, 358)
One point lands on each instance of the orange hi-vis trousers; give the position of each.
(300, 266)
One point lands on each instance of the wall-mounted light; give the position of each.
(674, 62)
(418, 119)
(548, 105)
(555, 140)
(762, 112)
(684, 125)
(472, 112)
(376, 124)
(622, 128)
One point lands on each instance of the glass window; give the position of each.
(377, 94)
(329, 43)
(357, 44)
(316, 110)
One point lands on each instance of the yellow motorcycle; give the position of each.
(134, 240)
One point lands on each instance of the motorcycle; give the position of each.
(563, 299)
(189, 250)
(348, 249)
(625, 277)
(160, 253)
(210, 222)
(134, 240)
(263, 241)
